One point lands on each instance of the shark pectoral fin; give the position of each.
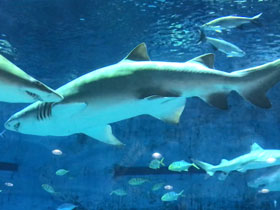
(218, 100)
(242, 170)
(169, 110)
(139, 53)
(206, 59)
(69, 108)
(103, 134)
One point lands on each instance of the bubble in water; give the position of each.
(156, 155)
(9, 184)
(57, 152)
(168, 187)
(264, 190)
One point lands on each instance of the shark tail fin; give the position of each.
(253, 83)
(202, 36)
(205, 166)
(255, 20)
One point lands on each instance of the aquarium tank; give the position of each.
(139, 105)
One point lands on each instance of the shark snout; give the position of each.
(12, 125)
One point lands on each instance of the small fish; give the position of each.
(48, 188)
(137, 181)
(171, 196)
(119, 192)
(61, 172)
(155, 164)
(66, 206)
(157, 186)
(229, 22)
(223, 46)
(181, 166)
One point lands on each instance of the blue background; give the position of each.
(58, 41)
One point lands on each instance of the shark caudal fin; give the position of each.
(205, 166)
(202, 36)
(255, 20)
(253, 83)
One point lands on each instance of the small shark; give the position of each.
(256, 159)
(229, 22)
(18, 87)
(138, 86)
(269, 181)
(223, 46)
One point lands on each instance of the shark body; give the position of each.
(223, 46)
(137, 86)
(269, 181)
(229, 22)
(256, 159)
(18, 87)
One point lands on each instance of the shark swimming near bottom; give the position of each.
(257, 158)
(18, 87)
(138, 86)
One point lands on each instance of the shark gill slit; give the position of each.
(44, 111)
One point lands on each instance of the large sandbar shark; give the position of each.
(137, 86)
(18, 87)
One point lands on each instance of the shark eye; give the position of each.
(16, 126)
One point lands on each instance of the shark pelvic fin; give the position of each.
(256, 147)
(69, 108)
(218, 100)
(139, 53)
(206, 60)
(103, 134)
(169, 110)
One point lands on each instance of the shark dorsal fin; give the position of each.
(224, 161)
(256, 147)
(206, 59)
(139, 53)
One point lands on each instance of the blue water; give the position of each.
(57, 41)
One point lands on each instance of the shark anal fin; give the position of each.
(218, 100)
(258, 98)
(169, 110)
(139, 53)
(103, 134)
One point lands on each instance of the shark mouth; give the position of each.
(44, 110)
(34, 96)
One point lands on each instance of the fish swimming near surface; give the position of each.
(223, 46)
(229, 22)
(155, 164)
(67, 206)
(18, 87)
(61, 172)
(257, 158)
(119, 192)
(181, 166)
(171, 196)
(137, 181)
(138, 86)
(270, 181)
